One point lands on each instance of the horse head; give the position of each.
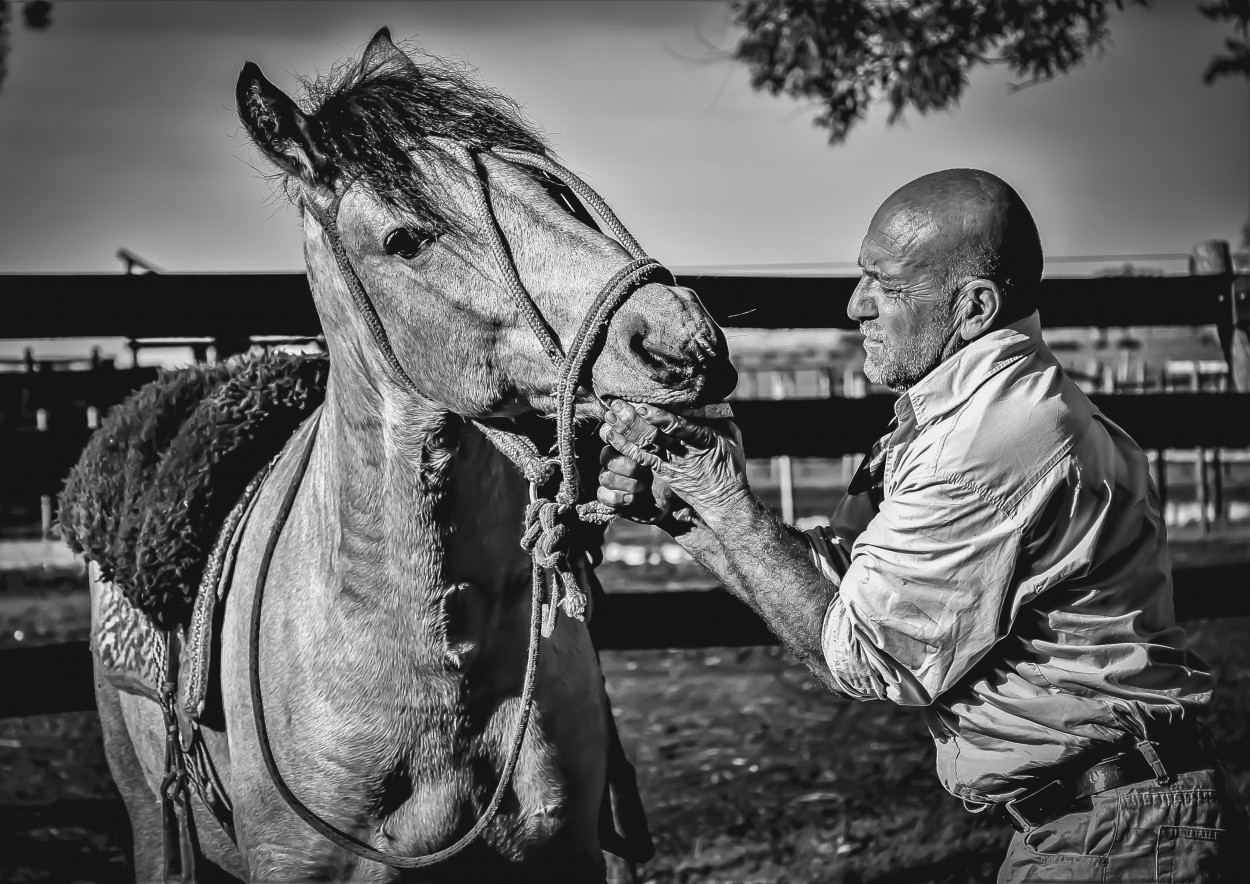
(405, 176)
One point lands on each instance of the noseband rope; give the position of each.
(548, 519)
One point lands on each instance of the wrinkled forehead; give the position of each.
(901, 235)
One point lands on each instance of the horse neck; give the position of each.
(409, 501)
(417, 501)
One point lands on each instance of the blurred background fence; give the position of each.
(1166, 357)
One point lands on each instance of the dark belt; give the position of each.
(1159, 760)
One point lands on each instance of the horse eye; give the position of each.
(405, 242)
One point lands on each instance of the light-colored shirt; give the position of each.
(1016, 580)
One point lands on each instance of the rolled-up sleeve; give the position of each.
(826, 554)
(924, 596)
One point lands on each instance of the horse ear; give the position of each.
(278, 127)
(380, 50)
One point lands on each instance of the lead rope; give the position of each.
(547, 521)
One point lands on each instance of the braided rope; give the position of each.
(503, 257)
(521, 450)
(587, 193)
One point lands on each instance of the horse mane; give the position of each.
(368, 117)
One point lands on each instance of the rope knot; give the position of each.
(549, 527)
(546, 530)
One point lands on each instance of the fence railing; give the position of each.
(229, 309)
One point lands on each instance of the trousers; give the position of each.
(1191, 831)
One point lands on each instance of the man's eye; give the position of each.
(405, 242)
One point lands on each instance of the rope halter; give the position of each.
(550, 520)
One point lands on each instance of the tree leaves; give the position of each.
(846, 55)
(1237, 61)
(36, 15)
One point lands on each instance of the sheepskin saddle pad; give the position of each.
(154, 484)
(160, 488)
(131, 649)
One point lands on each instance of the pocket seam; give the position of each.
(1095, 858)
(1172, 836)
(1194, 833)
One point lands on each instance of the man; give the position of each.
(1000, 560)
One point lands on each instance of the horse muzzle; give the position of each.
(663, 347)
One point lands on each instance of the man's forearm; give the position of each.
(768, 565)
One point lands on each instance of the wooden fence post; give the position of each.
(1213, 258)
(1237, 351)
(45, 500)
(785, 478)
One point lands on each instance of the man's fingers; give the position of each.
(617, 482)
(628, 447)
(618, 463)
(612, 497)
(625, 419)
(676, 426)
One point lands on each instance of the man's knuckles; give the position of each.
(615, 481)
(611, 459)
(613, 497)
(663, 420)
(629, 447)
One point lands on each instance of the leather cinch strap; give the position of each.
(177, 822)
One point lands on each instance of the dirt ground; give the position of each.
(750, 771)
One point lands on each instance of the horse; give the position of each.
(452, 266)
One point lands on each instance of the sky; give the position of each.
(117, 129)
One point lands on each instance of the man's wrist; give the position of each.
(735, 508)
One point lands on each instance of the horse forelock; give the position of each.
(373, 124)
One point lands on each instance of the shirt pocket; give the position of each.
(1188, 855)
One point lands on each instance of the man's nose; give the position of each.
(862, 307)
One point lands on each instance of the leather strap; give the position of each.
(177, 824)
(1160, 761)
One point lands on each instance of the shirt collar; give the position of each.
(955, 380)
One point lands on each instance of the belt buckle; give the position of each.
(1018, 820)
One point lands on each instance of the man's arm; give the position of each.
(728, 530)
(928, 589)
(768, 565)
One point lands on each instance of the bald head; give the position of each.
(947, 258)
(965, 224)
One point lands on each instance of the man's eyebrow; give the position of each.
(875, 274)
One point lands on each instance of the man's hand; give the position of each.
(632, 489)
(716, 519)
(701, 463)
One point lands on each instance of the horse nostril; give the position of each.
(673, 347)
(637, 338)
(643, 353)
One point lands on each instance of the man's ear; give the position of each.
(278, 127)
(978, 306)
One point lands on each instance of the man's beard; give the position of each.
(900, 367)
